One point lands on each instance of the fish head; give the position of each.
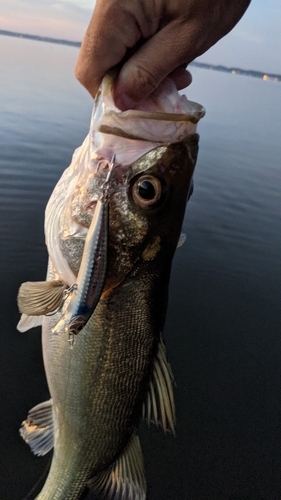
(155, 149)
(146, 212)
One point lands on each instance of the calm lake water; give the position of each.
(223, 324)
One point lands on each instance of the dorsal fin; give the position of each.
(38, 429)
(125, 479)
(40, 297)
(159, 406)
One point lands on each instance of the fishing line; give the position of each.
(41, 478)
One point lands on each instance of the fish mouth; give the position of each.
(120, 124)
(164, 117)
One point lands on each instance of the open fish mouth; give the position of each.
(164, 117)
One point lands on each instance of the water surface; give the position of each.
(223, 324)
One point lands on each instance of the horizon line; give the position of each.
(216, 67)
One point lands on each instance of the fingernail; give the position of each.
(123, 101)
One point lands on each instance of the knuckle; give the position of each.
(85, 77)
(81, 74)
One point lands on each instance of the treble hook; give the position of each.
(71, 339)
(66, 294)
(105, 185)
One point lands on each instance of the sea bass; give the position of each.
(135, 170)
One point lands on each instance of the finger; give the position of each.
(105, 43)
(180, 41)
(182, 77)
(152, 62)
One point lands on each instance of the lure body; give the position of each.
(91, 276)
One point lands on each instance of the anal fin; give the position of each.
(38, 429)
(125, 479)
(159, 406)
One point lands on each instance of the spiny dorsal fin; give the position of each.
(27, 322)
(124, 480)
(38, 429)
(159, 406)
(40, 297)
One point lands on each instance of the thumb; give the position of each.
(157, 58)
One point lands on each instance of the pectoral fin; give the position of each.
(159, 406)
(38, 429)
(124, 480)
(40, 297)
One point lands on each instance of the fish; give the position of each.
(115, 371)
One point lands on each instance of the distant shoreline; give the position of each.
(39, 38)
(235, 71)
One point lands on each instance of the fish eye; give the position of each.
(147, 191)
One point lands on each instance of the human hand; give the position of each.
(151, 39)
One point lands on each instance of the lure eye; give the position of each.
(76, 325)
(147, 191)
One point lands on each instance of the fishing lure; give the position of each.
(86, 293)
(80, 299)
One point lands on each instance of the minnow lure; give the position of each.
(86, 292)
(81, 297)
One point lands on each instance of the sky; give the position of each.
(255, 42)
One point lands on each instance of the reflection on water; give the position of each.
(224, 316)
